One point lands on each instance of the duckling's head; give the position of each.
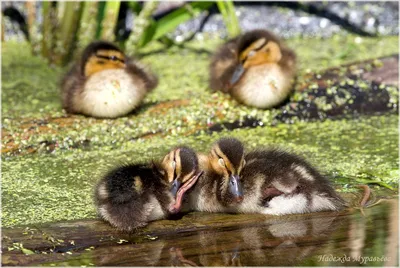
(256, 48)
(180, 170)
(99, 56)
(227, 160)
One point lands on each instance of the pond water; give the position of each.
(326, 239)
(348, 238)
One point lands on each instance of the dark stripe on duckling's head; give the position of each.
(181, 166)
(95, 46)
(227, 160)
(189, 160)
(233, 150)
(249, 38)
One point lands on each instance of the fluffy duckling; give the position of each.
(219, 189)
(130, 196)
(269, 181)
(278, 182)
(255, 68)
(105, 83)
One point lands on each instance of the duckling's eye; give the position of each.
(251, 53)
(221, 162)
(173, 164)
(114, 58)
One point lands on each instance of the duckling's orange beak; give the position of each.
(179, 196)
(237, 74)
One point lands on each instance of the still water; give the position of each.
(349, 238)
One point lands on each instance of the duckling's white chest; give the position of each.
(263, 86)
(110, 93)
(204, 199)
(154, 208)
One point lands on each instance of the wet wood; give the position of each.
(196, 239)
(346, 91)
(67, 235)
(388, 75)
(93, 232)
(82, 236)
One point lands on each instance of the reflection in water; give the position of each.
(322, 239)
(356, 236)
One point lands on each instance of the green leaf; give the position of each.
(135, 6)
(27, 251)
(100, 16)
(227, 10)
(148, 34)
(109, 22)
(171, 21)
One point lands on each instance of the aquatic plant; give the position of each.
(68, 27)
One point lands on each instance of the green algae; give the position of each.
(30, 87)
(54, 186)
(58, 186)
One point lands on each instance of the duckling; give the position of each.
(269, 181)
(105, 83)
(219, 189)
(132, 195)
(256, 68)
(278, 182)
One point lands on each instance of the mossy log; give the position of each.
(204, 235)
(367, 87)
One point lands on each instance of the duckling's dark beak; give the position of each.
(235, 187)
(175, 187)
(181, 190)
(237, 74)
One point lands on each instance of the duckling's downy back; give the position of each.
(281, 183)
(130, 196)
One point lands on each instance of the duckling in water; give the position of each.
(105, 83)
(130, 196)
(255, 68)
(278, 182)
(219, 188)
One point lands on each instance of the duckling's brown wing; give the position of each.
(288, 60)
(129, 182)
(223, 65)
(71, 84)
(141, 73)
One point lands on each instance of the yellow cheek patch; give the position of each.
(178, 166)
(269, 53)
(102, 61)
(253, 46)
(167, 166)
(228, 165)
(273, 50)
(188, 176)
